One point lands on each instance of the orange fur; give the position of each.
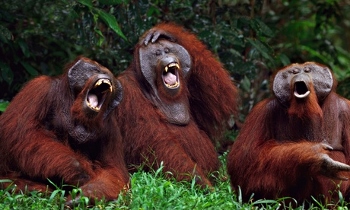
(213, 97)
(306, 108)
(185, 150)
(35, 145)
(279, 151)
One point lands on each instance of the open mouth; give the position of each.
(97, 95)
(171, 75)
(301, 90)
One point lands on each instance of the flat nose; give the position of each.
(167, 59)
(162, 51)
(301, 76)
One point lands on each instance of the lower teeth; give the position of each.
(174, 85)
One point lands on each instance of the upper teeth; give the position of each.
(171, 65)
(100, 81)
(92, 98)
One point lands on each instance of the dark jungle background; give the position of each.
(252, 38)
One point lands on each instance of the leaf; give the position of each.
(5, 34)
(261, 28)
(32, 71)
(153, 11)
(111, 22)
(24, 47)
(261, 201)
(53, 194)
(284, 59)
(87, 3)
(264, 50)
(245, 84)
(3, 106)
(314, 53)
(6, 73)
(101, 38)
(110, 2)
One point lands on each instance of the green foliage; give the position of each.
(153, 191)
(39, 37)
(109, 19)
(3, 105)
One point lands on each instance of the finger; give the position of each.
(155, 36)
(327, 146)
(335, 165)
(341, 166)
(148, 38)
(332, 168)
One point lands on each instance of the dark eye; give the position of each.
(166, 50)
(295, 71)
(158, 52)
(307, 69)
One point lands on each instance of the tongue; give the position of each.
(170, 78)
(93, 100)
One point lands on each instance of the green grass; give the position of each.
(150, 191)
